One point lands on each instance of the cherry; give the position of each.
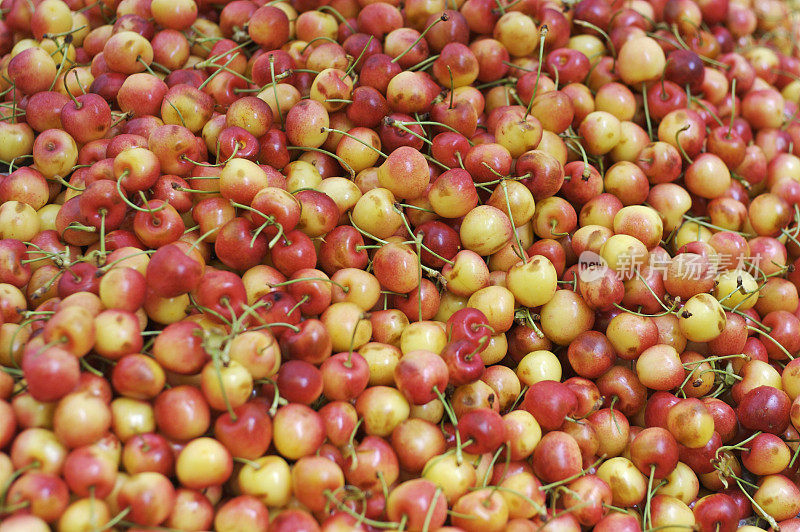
(701, 459)
(171, 271)
(684, 67)
(568, 65)
(464, 363)
(419, 375)
(664, 98)
(556, 457)
(654, 449)
(764, 408)
(716, 512)
(485, 427)
(222, 292)
(621, 385)
(80, 277)
(550, 402)
(51, 373)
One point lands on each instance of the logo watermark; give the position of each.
(592, 267)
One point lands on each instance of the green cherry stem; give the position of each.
(443, 18)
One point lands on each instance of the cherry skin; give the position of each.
(549, 402)
(654, 449)
(556, 457)
(419, 375)
(172, 272)
(771, 404)
(716, 512)
(485, 427)
(464, 364)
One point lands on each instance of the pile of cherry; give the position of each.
(323, 265)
